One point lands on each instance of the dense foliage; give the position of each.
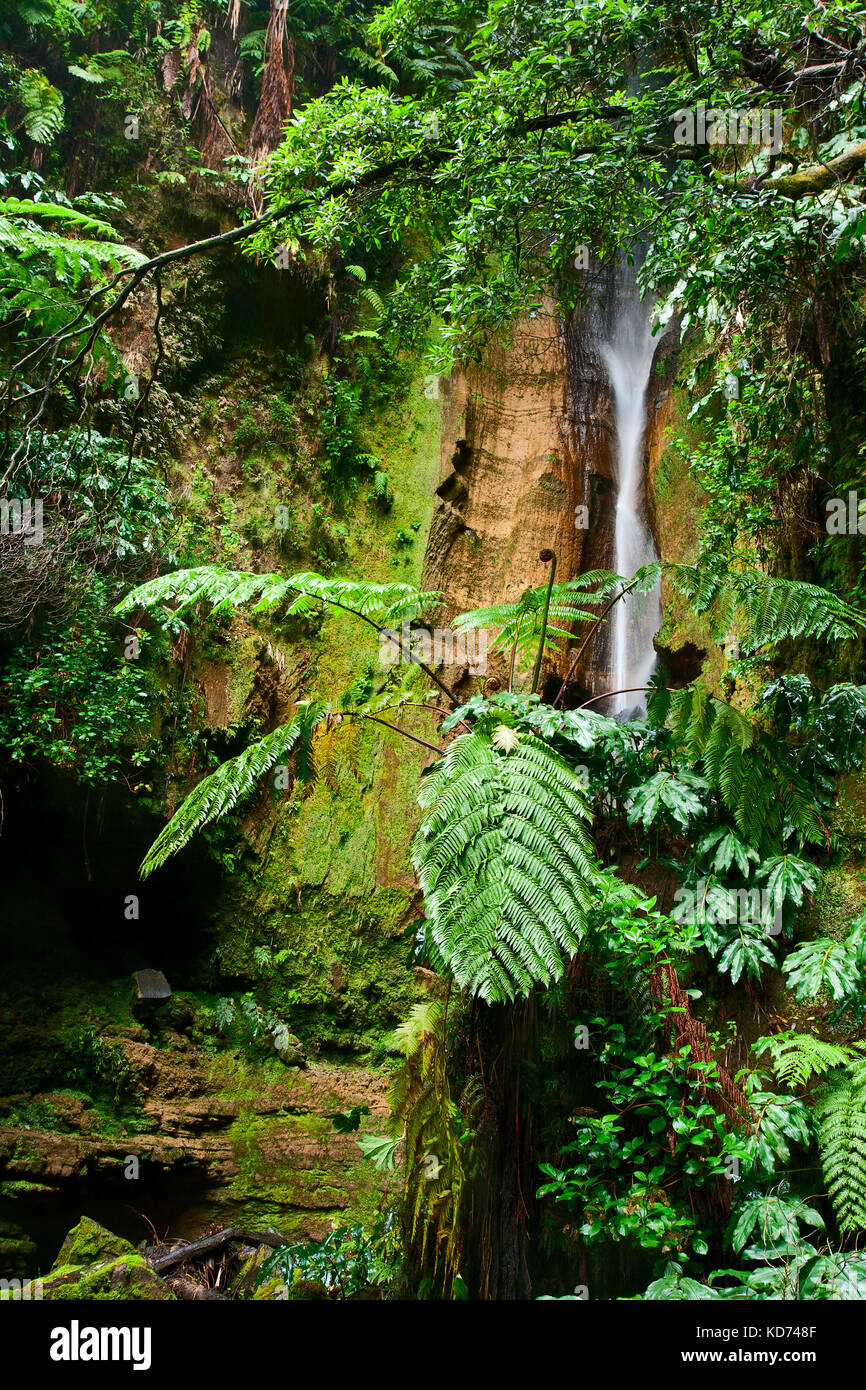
(431, 171)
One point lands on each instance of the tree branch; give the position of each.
(815, 180)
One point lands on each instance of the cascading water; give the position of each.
(628, 355)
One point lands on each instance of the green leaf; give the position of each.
(505, 863)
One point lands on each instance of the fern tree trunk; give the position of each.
(500, 1214)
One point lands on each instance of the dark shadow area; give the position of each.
(683, 665)
(133, 1210)
(75, 923)
(69, 866)
(574, 694)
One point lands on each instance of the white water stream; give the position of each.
(635, 619)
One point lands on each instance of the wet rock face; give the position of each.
(510, 481)
(527, 465)
(207, 1137)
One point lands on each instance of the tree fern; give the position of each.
(570, 603)
(753, 774)
(797, 1057)
(505, 863)
(219, 793)
(221, 590)
(43, 106)
(841, 1114)
(763, 609)
(27, 248)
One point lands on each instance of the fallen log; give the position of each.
(215, 1242)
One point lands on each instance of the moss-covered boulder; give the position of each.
(93, 1263)
(89, 1243)
(128, 1277)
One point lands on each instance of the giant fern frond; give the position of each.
(43, 106)
(752, 772)
(221, 589)
(219, 793)
(505, 863)
(841, 1114)
(764, 609)
(797, 1057)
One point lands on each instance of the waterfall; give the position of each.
(628, 356)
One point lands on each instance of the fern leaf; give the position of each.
(505, 863)
(219, 793)
(223, 589)
(841, 1114)
(43, 106)
(764, 609)
(797, 1057)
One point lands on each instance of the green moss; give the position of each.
(840, 897)
(328, 880)
(318, 892)
(292, 1171)
(678, 503)
(127, 1277)
(849, 819)
(93, 1263)
(89, 1243)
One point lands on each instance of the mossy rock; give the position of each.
(271, 1291)
(244, 1285)
(849, 815)
(89, 1243)
(128, 1277)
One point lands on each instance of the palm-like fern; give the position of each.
(221, 590)
(521, 621)
(321, 743)
(219, 793)
(26, 246)
(841, 1115)
(760, 608)
(763, 609)
(752, 773)
(505, 863)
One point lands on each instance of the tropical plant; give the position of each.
(347, 1262)
(840, 1113)
(425, 1118)
(797, 1057)
(504, 861)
